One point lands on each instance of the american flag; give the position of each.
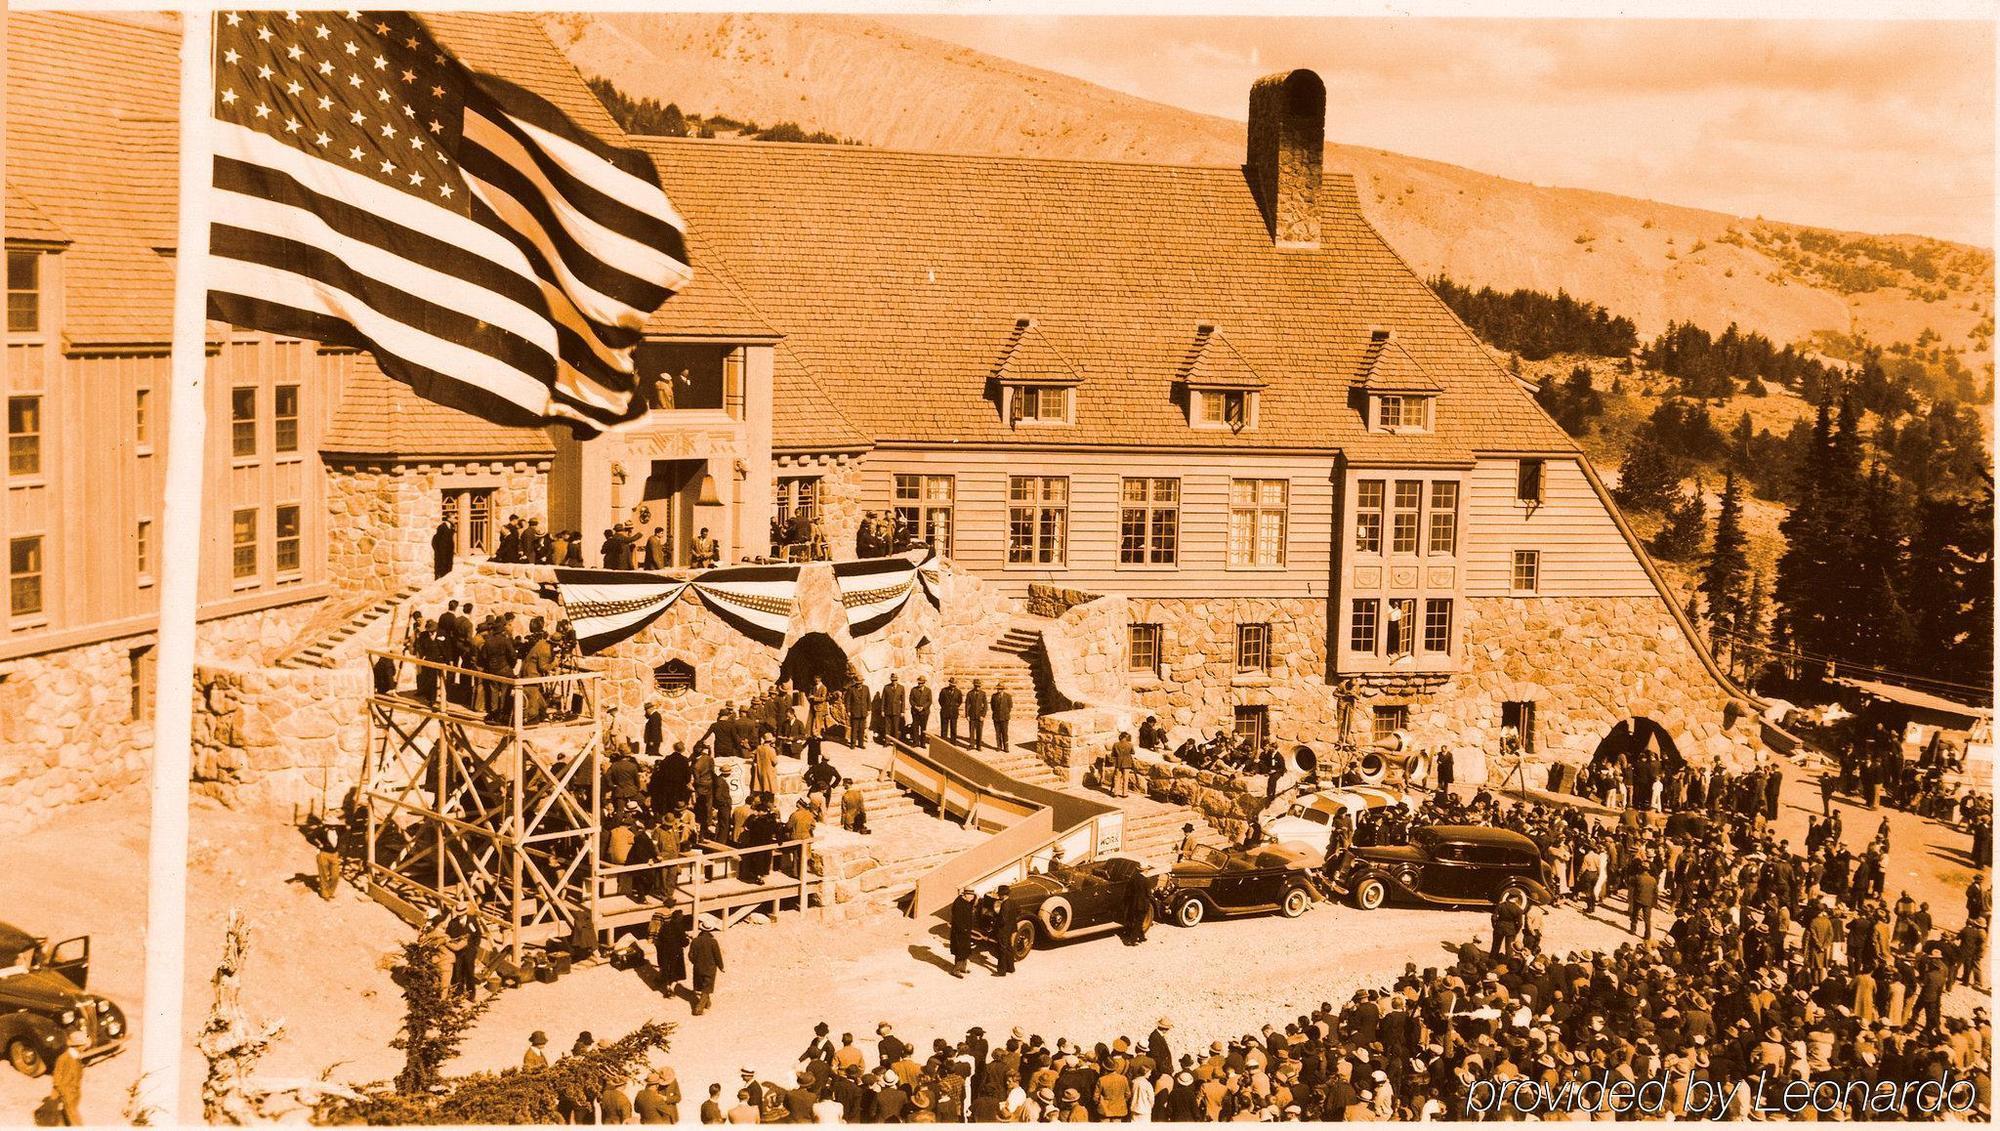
(372, 191)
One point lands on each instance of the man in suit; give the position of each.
(1000, 919)
(538, 658)
(975, 714)
(920, 710)
(1644, 894)
(657, 556)
(1442, 774)
(949, 699)
(1003, 709)
(964, 920)
(705, 961)
(497, 656)
(858, 702)
(656, 730)
(1157, 1046)
(894, 697)
(444, 544)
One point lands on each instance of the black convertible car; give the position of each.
(1447, 866)
(1072, 900)
(1217, 881)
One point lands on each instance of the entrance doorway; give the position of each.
(816, 656)
(667, 503)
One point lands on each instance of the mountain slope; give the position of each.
(1652, 262)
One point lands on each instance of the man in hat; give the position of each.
(1000, 917)
(964, 923)
(975, 714)
(705, 958)
(1002, 703)
(1157, 1046)
(949, 699)
(920, 710)
(534, 1057)
(1188, 843)
(660, 1100)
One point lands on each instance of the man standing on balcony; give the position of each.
(975, 714)
(444, 543)
(1003, 709)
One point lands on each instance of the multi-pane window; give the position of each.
(243, 422)
(142, 416)
(24, 292)
(285, 550)
(1253, 647)
(1144, 640)
(24, 576)
(1437, 625)
(1368, 516)
(471, 512)
(1444, 517)
(1403, 524)
(1249, 724)
(1389, 412)
(924, 507)
(1527, 571)
(1257, 522)
(1363, 626)
(1231, 409)
(1388, 718)
(1528, 485)
(243, 543)
(24, 435)
(797, 505)
(1149, 525)
(143, 670)
(1402, 626)
(1038, 519)
(1042, 404)
(142, 549)
(285, 418)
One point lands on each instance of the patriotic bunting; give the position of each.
(756, 600)
(606, 606)
(874, 590)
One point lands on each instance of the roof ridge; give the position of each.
(957, 155)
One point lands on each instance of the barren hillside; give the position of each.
(1652, 262)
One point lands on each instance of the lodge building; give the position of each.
(1214, 393)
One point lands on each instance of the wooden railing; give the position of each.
(697, 875)
(561, 683)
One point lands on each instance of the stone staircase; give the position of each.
(318, 641)
(1012, 661)
(1153, 829)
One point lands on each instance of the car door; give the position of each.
(71, 959)
(1451, 876)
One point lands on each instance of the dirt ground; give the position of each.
(319, 966)
(85, 874)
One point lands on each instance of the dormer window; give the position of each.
(1234, 409)
(1041, 404)
(1222, 387)
(1402, 412)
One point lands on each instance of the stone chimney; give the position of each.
(1287, 146)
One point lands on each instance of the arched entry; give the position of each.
(815, 657)
(1634, 735)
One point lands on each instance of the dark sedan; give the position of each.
(1216, 881)
(1446, 866)
(43, 1005)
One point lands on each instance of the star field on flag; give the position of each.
(372, 191)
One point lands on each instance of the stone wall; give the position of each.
(380, 516)
(1586, 663)
(1088, 647)
(840, 502)
(283, 735)
(1045, 600)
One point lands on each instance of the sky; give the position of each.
(1872, 126)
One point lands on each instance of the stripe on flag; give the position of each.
(874, 590)
(374, 192)
(606, 606)
(757, 600)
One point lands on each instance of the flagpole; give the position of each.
(164, 1038)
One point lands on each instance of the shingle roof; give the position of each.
(1386, 367)
(804, 417)
(710, 306)
(1029, 358)
(896, 278)
(381, 417)
(1214, 364)
(26, 221)
(98, 159)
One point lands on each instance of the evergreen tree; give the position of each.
(1948, 587)
(1818, 588)
(1680, 539)
(1650, 478)
(1751, 651)
(1879, 630)
(1728, 566)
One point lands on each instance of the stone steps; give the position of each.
(318, 652)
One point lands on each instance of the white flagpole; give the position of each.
(164, 1038)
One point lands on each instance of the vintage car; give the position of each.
(43, 1005)
(1217, 881)
(1068, 901)
(1447, 866)
(1309, 820)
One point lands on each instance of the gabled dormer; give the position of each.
(1396, 394)
(1033, 383)
(1222, 388)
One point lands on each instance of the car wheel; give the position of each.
(1371, 893)
(1056, 916)
(1022, 940)
(1190, 911)
(1516, 898)
(1295, 904)
(26, 1058)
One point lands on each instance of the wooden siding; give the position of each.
(1582, 552)
(980, 519)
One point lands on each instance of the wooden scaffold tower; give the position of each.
(486, 789)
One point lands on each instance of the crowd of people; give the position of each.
(625, 545)
(457, 648)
